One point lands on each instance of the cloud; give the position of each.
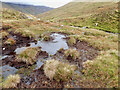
(50, 3)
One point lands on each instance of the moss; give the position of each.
(29, 56)
(74, 54)
(58, 70)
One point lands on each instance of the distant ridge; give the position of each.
(29, 9)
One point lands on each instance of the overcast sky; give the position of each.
(49, 3)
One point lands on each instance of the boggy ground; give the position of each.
(20, 41)
(100, 72)
(36, 77)
(86, 51)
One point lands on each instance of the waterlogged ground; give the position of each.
(36, 77)
(91, 44)
(52, 46)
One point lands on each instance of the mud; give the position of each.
(87, 52)
(37, 79)
(20, 42)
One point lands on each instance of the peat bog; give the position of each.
(33, 75)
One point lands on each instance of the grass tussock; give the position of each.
(6, 26)
(71, 41)
(25, 33)
(46, 37)
(29, 56)
(101, 43)
(33, 28)
(58, 70)
(11, 81)
(72, 53)
(3, 34)
(10, 41)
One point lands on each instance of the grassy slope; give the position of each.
(86, 14)
(10, 14)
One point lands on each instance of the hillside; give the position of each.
(86, 14)
(11, 14)
(29, 9)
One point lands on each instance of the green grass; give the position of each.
(82, 14)
(75, 9)
(107, 21)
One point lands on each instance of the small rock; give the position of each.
(62, 25)
(3, 48)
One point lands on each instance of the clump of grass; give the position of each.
(72, 41)
(101, 43)
(61, 50)
(10, 41)
(87, 63)
(25, 33)
(46, 37)
(50, 68)
(58, 70)
(74, 54)
(6, 26)
(11, 81)
(3, 34)
(28, 56)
